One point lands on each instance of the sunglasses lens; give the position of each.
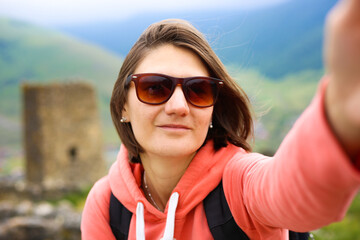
(201, 92)
(154, 89)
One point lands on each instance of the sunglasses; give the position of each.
(155, 88)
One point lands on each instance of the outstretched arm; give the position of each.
(310, 181)
(342, 61)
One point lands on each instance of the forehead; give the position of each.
(172, 60)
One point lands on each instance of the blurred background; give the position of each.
(273, 48)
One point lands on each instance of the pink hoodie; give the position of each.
(309, 183)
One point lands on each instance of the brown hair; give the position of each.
(232, 118)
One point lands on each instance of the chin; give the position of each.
(180, 149)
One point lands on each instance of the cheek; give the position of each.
(136, 114)
(141, 119)
(204, 119)
(138, 129)
(140, 124)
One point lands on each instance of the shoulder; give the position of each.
(95, 217)
(239, 174)
(243, 169)
(242, 162)
(240, 166)
(101, 190)
(98, 199)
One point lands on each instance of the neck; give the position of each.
(162, 176)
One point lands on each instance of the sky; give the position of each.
(63, 12)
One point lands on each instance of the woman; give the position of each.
(184, 125)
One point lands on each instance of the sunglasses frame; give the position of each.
(175, 81)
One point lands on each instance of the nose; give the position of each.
(177, 103)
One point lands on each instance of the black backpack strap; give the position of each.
(220, 220)
(299, 235)
(120, 219)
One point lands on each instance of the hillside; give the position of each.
(277, 41)
(277, 104)
(33, 54)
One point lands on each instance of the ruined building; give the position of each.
(62, 134)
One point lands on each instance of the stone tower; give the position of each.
(63, 140)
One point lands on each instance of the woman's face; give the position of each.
(175, 128)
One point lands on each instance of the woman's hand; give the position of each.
(342, 60)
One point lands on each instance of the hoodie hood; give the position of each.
(201, 177)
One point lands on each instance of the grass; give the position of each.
(77, 199)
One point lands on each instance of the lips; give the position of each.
(174, 126)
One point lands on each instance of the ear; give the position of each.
(124, 113)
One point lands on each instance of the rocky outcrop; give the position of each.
(27, 220)
(26, 215)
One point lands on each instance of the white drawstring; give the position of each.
(170, 219)
(140, 224)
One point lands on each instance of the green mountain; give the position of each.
(33, 54)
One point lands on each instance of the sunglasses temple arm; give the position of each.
(128, 80)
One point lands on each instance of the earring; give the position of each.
(211, 125)
(123, 120)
